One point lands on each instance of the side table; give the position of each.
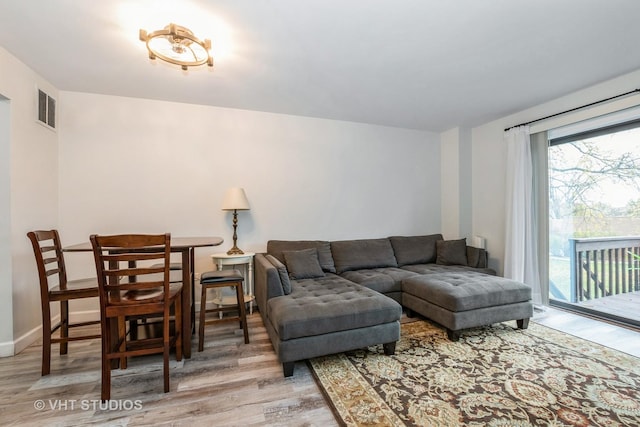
(246, 260)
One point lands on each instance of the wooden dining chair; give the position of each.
(130, 286)
(54, 287)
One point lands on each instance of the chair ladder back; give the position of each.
(46, 256)
(117, 260)
(47, 249)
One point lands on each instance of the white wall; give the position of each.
(489, 153)
(456, 187)
(6, 287)
(450, 178)
(134, 165)
(465, 188)
(31, 171)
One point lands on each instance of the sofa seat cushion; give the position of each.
(383, 280)
(329, 304)
(438, 268)
(467, 290)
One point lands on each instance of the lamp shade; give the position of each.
(235, 199)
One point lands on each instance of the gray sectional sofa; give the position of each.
(319, 297)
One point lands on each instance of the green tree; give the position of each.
(577, 168)
(633, 208)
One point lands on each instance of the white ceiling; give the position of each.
(421, 64)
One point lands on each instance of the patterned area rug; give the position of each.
(494, 376)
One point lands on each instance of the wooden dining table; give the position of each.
(186, 247)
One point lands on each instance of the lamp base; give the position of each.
(235, 251)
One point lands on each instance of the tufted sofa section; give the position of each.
(328, 304)
(330, 315)
(354, 296)
(320, 315)
(465, 299)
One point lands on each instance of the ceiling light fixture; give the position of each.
(178, 45)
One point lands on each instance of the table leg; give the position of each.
(250, 280)
(193, 289)
(186, 303)
(219, 292)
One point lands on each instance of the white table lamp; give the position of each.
(235, 200)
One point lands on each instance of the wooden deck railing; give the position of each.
(604, 266)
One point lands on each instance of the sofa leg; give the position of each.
(287, 368)
(410, 313)
(453, 335)
(523, 323)
(389, 348)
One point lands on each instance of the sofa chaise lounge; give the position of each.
(319, 297)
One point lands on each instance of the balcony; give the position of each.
(604, 278)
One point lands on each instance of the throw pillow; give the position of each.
(451, 252)
(277, 247)
(303, 264)
(282, 272)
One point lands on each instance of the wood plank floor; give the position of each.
(228, 384)
(625, 306)
(611, 335)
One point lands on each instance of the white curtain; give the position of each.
(521, 245)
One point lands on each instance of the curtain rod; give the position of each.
(574, 109)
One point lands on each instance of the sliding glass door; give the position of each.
(594, 221)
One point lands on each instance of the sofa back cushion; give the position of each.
(277, 247)
(358, 254)
(415, 249)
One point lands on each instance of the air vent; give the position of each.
(46, 110)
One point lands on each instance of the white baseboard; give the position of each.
(11, 348)
(6, 349)
(27, 339)
(85, 316)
